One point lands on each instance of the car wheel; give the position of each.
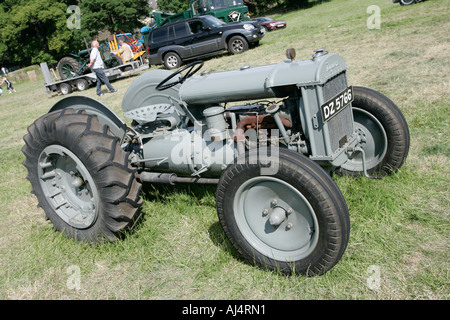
(237, 44)
(172, 60)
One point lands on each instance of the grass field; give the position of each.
(399, 242)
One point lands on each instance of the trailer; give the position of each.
(84, 81)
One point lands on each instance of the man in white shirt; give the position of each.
(97, 65)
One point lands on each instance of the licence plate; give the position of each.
(336, 104)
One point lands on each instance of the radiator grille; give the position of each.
(340, 127)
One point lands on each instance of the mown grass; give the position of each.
(399, 224)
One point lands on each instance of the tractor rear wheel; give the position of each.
(81, 176)
(115, 61)
(68, 67)
(294, 220)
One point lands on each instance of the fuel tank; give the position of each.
(250, 83)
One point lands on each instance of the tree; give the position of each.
(35, 31)
(173, 6)
(112, 15)
(259, 6)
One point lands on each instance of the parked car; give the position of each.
(270, 24)
(189, 39)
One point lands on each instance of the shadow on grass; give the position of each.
(201, 195)
(220, 240)
(165, 193)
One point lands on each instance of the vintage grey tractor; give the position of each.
(270, 137)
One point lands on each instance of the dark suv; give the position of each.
(198, 37)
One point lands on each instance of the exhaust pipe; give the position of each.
(172, 178)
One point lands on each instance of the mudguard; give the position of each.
(105, 115)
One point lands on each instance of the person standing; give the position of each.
(8, 84)
(97, 65)
(125, 51)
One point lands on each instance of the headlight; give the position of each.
(249, 26)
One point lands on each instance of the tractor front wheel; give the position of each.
(292, 219)
(383, 132)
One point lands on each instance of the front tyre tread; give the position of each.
(393, 123)
(320, 191)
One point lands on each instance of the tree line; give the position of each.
(35, 31)
(261, 6)
(255, 6)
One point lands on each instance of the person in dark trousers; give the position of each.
(8, 84)
(97, 65)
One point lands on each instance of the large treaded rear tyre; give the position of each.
(68, 68)
(114, 62)
(294, 221)
(81, 176)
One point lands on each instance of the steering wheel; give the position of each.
(193, 68)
